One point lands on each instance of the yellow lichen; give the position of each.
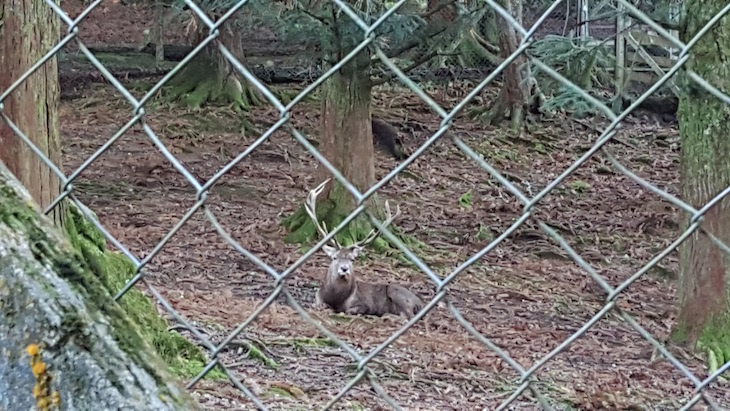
(32, 350)
(46, 399)
(39, 368)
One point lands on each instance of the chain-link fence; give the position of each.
(527, 380)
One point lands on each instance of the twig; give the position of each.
(322, 20)
(256, 353)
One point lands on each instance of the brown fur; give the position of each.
(385, 136)
(342, 292)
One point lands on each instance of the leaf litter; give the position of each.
(527, 295)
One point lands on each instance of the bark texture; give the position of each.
(519, 93)
(30, 29)
(64, 343)
(346, 127)
(705, 161)
(347, 143)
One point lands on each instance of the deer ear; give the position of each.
(354, 251)
(329, 250)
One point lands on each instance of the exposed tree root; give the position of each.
(301, 228)
(202, 82)
(505, 107)
(520, 94)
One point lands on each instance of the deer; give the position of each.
(342, 291)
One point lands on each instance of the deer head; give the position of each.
(341, 266)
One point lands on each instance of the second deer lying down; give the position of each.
(341, 290)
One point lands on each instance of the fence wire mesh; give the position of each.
(527, 375)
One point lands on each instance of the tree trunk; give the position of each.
(210, 78)
(28, 30)
(157, 30)
(347, 143)
(346, 127)
(64, 342)
(705, 162)
(519, 94)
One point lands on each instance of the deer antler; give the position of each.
(389, 219)
(310, 206)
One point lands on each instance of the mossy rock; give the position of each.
(114, 270)
(64, 342)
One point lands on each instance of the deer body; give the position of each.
(341, 290)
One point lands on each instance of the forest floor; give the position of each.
(527, 295)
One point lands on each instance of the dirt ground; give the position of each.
(527, 295)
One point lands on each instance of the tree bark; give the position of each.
(519, 94)
(347, 143)
(157, 32)
(346, 127)
(705, 161)
(64, 342)
(28, 30)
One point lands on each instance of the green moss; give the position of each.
(714, 340)
(256, 354)
(280, 392)
(302, 230)
(24, 218)
(200, 82)
(680, 333)
(114, 269)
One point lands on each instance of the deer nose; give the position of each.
(344, 269)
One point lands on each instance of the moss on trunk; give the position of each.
(302, 229)
(204, 81)
(57, 311)
(210, 78)
(704, 309)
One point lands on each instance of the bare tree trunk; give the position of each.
(28, 30)
(347, 143)
(347, 139)
(705, 161)
(519, 93)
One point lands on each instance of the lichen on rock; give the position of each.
(92, 354)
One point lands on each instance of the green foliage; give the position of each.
(484, 233)
(210, 7)
(584, 65)
(567, 99)
(323, 26)
(579, 186)
(465, 199)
